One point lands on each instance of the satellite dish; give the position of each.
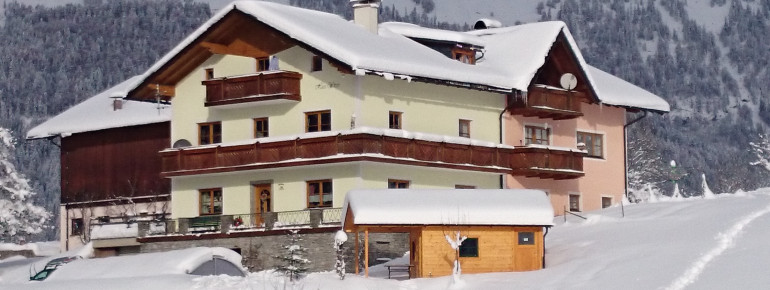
(181, 143)
(568, 81)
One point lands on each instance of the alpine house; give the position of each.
(277, 112)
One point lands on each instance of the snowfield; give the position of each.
(695, 243)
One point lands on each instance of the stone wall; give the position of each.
(259, 252)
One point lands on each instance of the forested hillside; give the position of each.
(53, 58)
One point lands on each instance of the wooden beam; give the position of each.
(358, 249)
(366, 253)
(163, 90)
(237, 47)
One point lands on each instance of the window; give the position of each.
(210, 201)
(319, 193)
(606, 201)
(574, 202)
(77, 227)
(318, 121)
(464, 55)
(460, 186)
(263, 64)
(208, 74)
(526, 238)
(393, 183)
(261, 128)
(470, 248)
(593, 143)
(536, 135)
(465, 128)
(316, 64)
(394, 120)
(210, 133)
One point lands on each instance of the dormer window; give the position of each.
(464, 55)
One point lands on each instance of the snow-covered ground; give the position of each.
(690, 244)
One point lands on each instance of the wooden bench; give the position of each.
(400, 268)
(206, 222)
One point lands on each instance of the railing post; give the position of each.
(184, 225)
(225, 222)
(316, 215)
(143, 228)
(270, 218)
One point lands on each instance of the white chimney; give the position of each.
(365, 13)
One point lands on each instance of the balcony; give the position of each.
(547, 102)
(269, 87)
(375, 145)
(230, 224)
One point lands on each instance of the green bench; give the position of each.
(205, 223)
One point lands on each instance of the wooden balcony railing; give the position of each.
(540, 162)
(260, 87)
(547, 103)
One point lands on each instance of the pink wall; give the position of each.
(603, 177)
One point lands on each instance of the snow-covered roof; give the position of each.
(97, 113)
(143, 265)
(615, 91)
(512, 54)
(448, 206)
(415, 31)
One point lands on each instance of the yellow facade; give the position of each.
(353, 101)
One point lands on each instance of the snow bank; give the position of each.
(448, 206)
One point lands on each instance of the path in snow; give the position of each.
(725, 241)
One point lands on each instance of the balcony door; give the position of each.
(263, 201)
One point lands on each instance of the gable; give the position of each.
(560, 60)
(235, 34)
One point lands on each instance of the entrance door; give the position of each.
(262, 202)
(528, 249)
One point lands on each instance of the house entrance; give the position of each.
(262, 202)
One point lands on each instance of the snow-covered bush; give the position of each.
(294, 263)
(18, 216)
(339, 265)
(707, 193)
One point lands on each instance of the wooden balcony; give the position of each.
(548, 103)
(261, 88)
(539, 162)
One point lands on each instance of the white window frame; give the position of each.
(580, 201)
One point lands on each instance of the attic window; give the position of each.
(209, 74)
(464, 55)
(317, 64)
(263, 64)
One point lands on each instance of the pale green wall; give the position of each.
(289, 184)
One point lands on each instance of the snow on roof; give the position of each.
(615, 91)
(512, 57)
(143, 265)
(96, 113)
(448, 206)
(415, 31)
(519, 51)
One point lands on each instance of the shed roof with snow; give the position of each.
(522, 207)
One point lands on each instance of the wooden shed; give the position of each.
(504, 227)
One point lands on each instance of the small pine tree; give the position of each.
(339, 266)
(295, 265)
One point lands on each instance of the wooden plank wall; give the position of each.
(497, 250)
(120, 162)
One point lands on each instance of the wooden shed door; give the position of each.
(527, 249)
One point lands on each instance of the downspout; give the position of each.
(502, 176)
(66, 228)
(625, 150)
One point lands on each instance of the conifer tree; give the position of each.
(294, 263)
